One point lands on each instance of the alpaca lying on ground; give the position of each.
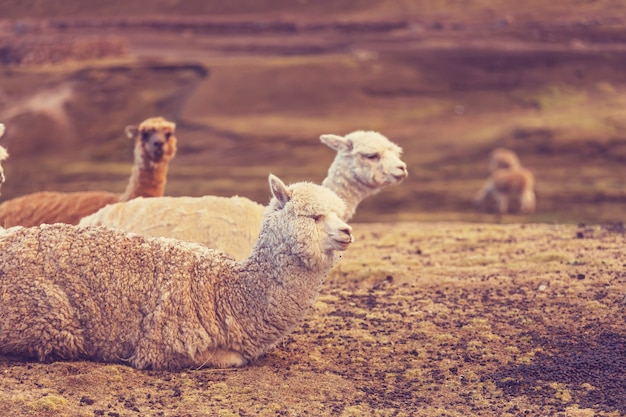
(72, 292)
(508, 179)
(3, 156)
(366, 162)
(155, 146)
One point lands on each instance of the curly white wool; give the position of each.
(72, 292)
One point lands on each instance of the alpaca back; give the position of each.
(512, 181)
(229, 224)
(52, 207)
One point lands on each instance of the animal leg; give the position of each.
(528, 202)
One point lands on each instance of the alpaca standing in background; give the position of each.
(73, 292)
(155, 146)
(508, 179)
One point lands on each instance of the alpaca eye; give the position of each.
(145, 136)
(168, 135)
(316, 217)
(372, 156)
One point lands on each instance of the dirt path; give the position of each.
(417, 319)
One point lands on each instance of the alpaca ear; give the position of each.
(1, 130)
(131, 131)
(279, 190)
(336, 142)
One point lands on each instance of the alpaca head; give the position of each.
(154, 140)
(502, 158)
(307, 217)
(368, 157)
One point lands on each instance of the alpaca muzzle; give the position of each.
(342, 237)
(157, 150)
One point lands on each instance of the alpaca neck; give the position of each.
(277, 287)
(348, 187)
(147, 179)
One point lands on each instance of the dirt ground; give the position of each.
(424, 319)
(435, 310)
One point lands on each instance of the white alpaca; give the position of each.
(508, 180)
(366, 162)
(3, 156)
(72, 292)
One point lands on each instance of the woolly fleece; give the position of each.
(71, 292)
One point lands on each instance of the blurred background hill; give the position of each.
(252, 85)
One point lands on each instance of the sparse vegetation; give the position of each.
(528, 334)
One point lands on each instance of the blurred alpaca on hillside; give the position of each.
(508, 179)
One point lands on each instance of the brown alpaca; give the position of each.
(508, 179)
(155, 146)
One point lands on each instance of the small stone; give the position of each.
(86, 401)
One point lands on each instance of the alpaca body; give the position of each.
(366, 162)
(509, 184)
(96, 293)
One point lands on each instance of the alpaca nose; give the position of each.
(348, 231)
(403, 171)
(158, 149)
